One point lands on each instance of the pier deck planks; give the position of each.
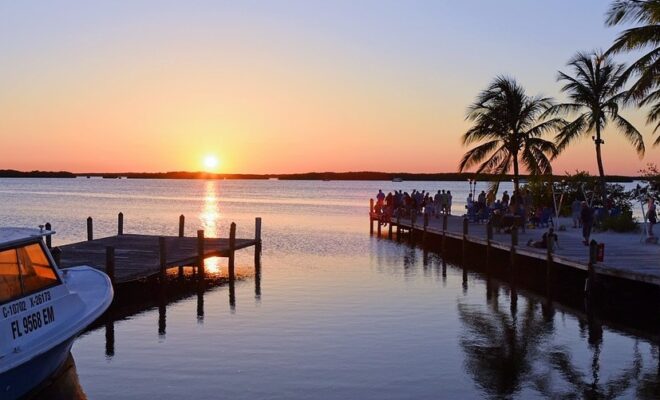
(138, 256)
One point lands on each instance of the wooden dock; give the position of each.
(131, 257)
(625, 255)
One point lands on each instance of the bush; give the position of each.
(623, 222)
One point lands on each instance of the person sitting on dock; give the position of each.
(548, 237)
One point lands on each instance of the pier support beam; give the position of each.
(110, 264)
(162, 251)
(489, 239)
(398, 226)
(120, 223)
(444, 233)
(426, 225)
(389, 230)
(465, 240)
(49, 243)
(548, 259)
(590, 284)
(90, 229)
(371, 216)
(232, 248)
(257, 239)
(182, 224)
(514, 244)
(200, 257)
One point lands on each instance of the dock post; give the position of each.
(489, 239)
(378, 229)
(162, 250)
(514, 243)
(444, 232)
(182, 223)
(398, 226)
(200, 256)
(591, 270)
(426, 225)
(120, 223)
(110, 264)
(257, 239)
(465, 233)
(389, 230)
(90, 229)
(371, 216)
(57, 255)
(232, 247)
(48, 238)
(548, 257)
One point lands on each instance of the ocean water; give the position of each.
(334, 313)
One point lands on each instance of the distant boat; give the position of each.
(43, 309)
(397, 179)
(273, 179)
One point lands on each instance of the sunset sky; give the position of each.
(278, 86)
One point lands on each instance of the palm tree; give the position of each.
(645, 37)
(595, 94)
(509, 124)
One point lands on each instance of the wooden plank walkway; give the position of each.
(138, 256)
(625, 256)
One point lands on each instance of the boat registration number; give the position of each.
(32, 322)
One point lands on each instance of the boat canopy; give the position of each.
(13, 236)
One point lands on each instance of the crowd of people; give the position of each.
(403, 203)
(504, 213)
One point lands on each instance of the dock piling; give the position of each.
(90, 229)
(257, 239)
(445, 218)
(591, 270)
(48, 238)
(371, 216)
(398, 226)
(426, 225)
(489, 239)
(200, 256)
(110, 264)
(120, 223)
(232, 247)
(182, 224)
(514, 243)
(162, 251)
(549, 248)
(465, 234)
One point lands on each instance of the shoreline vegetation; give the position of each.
(314, 176)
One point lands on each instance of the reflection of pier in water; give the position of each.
(141, 297)
(502, 340)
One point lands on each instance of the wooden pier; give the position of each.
(130, 257)
(625, 256)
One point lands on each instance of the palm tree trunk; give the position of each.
(601, 170)
(516, 173)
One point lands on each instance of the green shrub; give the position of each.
(623, 222)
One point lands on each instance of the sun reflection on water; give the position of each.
(210, 216)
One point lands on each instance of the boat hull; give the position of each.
(19, 381)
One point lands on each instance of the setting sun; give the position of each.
(211, 163)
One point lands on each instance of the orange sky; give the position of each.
(125, 88)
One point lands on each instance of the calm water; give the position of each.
(339, 314)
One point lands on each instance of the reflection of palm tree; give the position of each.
(584, 388)
(501, 348)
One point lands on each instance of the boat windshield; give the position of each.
(24, 270)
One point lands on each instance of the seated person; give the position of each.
(543, 243)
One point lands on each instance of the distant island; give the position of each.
(315, 176)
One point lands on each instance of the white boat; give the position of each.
(42, 309)
(397, 179)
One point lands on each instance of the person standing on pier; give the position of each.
(587, 218)
(448, 199)
(651, 215)
(576, 207)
